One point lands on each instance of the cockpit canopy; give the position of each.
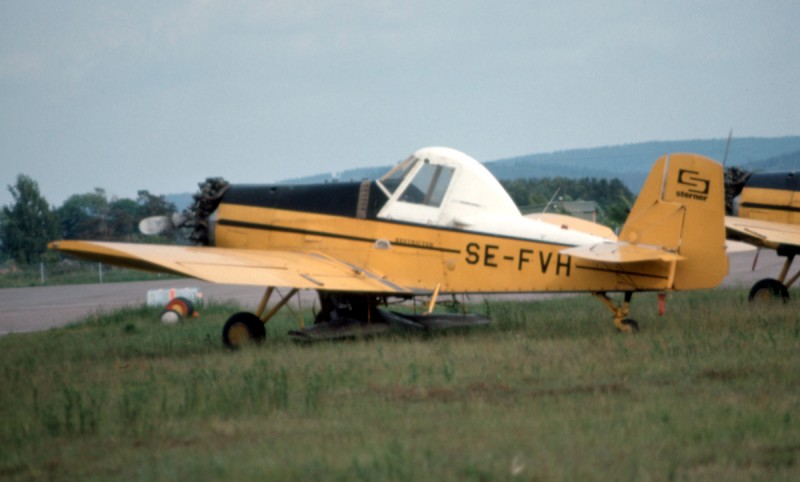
(445, 187)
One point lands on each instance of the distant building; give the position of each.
(580, 209)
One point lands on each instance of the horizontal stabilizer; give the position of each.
(621, 253)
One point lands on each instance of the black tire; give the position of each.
(768, 290)
(180, 305)
(632, 323)
(242, 328)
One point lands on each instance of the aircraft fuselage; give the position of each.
(328, 218)
(771, 196)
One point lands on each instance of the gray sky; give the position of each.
(159, 95)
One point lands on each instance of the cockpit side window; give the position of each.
(429, 185)
(392, 179)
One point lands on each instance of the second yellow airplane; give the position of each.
(764, 210)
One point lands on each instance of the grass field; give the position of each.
(548, 392)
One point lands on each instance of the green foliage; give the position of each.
(549, 391)
(28, 224)
(152, 205)
(93, 216)
(86, 216)
(613, 198)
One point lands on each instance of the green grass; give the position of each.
(548, 392)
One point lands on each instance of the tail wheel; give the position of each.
(243, 328)
(768, 290)
(630, 326)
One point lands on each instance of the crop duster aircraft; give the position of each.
(437, 223)
(765, 212)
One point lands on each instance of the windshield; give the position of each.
(429, 185)
(392, 179)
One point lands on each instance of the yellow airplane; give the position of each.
(437, 223)
(765, 210)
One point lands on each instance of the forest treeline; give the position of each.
(613, 198)
(30, 222)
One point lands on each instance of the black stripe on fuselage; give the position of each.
(783, 181)
(284, 229)
(771, 207)
(617, 271)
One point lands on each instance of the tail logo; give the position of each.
(692, 186)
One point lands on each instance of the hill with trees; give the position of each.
(628, 162)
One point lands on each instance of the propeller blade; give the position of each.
(155, 225)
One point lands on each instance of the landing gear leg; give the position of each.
(619, 311)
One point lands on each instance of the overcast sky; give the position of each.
(129, 95)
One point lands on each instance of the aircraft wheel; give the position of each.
(768, 290)
(631, 326)
(242, 328)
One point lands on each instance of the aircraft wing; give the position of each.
(768, 234)
(621, 252)
(236, 266)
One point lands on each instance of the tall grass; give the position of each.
(548, 392)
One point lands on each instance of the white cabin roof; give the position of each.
(444, 187)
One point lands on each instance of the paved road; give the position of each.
(40, 308)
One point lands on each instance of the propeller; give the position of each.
(155, 225)
(195, 217)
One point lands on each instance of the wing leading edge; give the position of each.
(236, 266)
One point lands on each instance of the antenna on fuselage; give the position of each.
(551, 200)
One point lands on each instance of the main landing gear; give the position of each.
(342, 315)
(769, 289)
(619, 311)
(242, 328)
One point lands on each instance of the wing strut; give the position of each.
(264, 299)
(433, 298)
(277, 307)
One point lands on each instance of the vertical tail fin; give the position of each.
(681, 208)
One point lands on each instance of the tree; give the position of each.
(28, 224)
(123, 217)
(93, 216)
(86, 216)
(612, 196)
(154, 205)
